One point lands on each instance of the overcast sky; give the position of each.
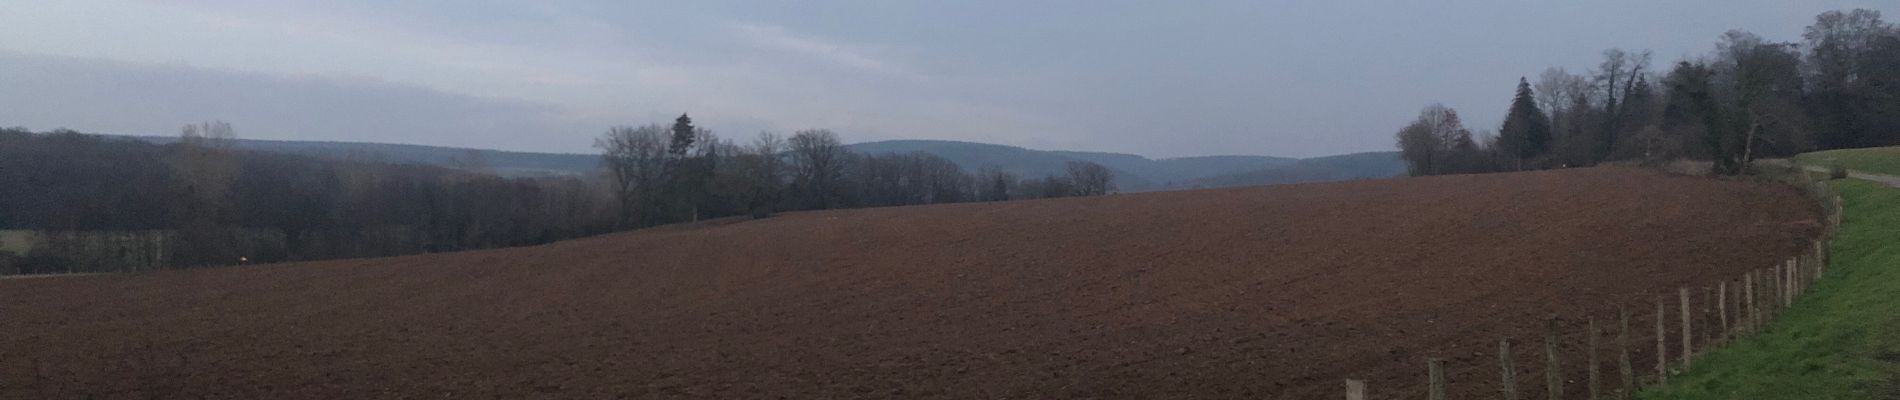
(1155, 78)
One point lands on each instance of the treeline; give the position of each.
(92, 203)
(201, 203)
(662, 174)
(1750, 98)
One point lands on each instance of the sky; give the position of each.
(1159, 79)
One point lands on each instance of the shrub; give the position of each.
(1836, 171)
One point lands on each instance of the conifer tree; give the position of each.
(1526, 130)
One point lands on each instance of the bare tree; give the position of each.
(206, 168)
(817, 161)
(1553, 89)
(1758, 83)
(1851, 57)
(994, 184)
(1617, 77)
(1438, 143)
(635, 159)
(1091, 179)
(765, 172)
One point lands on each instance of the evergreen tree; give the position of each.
(683, 137)
(1526, 130)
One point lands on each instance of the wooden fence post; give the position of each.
(1436, 369)
(1786, 297)
(1553, 371)
(1662, 346)
(1794, 278)
(1594, 379)
(1802, 275)
(1761, 306)
(1748, 302)
(1773, 296)
(1355, 389)
(1794, 275)
(1709, 317)
(1805, 278)
(1509, 379)
(1687, 350)
(1623, 366)
(1721, 307)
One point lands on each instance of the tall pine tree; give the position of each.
(683, 137)
(1526, 130)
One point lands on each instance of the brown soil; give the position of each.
(1270, 292)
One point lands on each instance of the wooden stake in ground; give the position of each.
(1355, 389)
(1807, 279)
(1748, 302)
(1709, 317)
(1721, 307)
(1594, 380)
(1435, 368)
(1781, 290)
(1509, 380)
(1687, 351)
(1553, 371)
(1662, 346)
(1794, 281)
(1623, 366)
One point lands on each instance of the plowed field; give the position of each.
(1268, 292)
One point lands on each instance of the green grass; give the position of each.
(1879, 160)
(1832, 342)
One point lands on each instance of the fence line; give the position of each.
(1780, 286)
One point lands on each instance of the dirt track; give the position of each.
(1274, 292)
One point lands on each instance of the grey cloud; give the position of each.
(132, 98)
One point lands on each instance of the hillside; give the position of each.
(1263, 292)
(1136, 173)
(1025, 163)
(1373, 165)
(1133, 173)
(505, 163)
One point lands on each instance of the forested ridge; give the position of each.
(95, 203)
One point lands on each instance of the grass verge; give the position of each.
(1879, 160)
(1839, 341)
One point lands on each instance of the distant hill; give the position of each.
(1023, 162)
(504, 163)
(1133, 173)
(1373, 165)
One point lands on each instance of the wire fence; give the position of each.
(1683, 326)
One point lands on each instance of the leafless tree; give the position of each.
(1617, 77)
(817, 161)
(1437, 143)
(1760, 85)
(635, 159)
(1091, 179)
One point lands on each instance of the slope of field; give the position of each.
(1879, 160)
(1268, 292)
